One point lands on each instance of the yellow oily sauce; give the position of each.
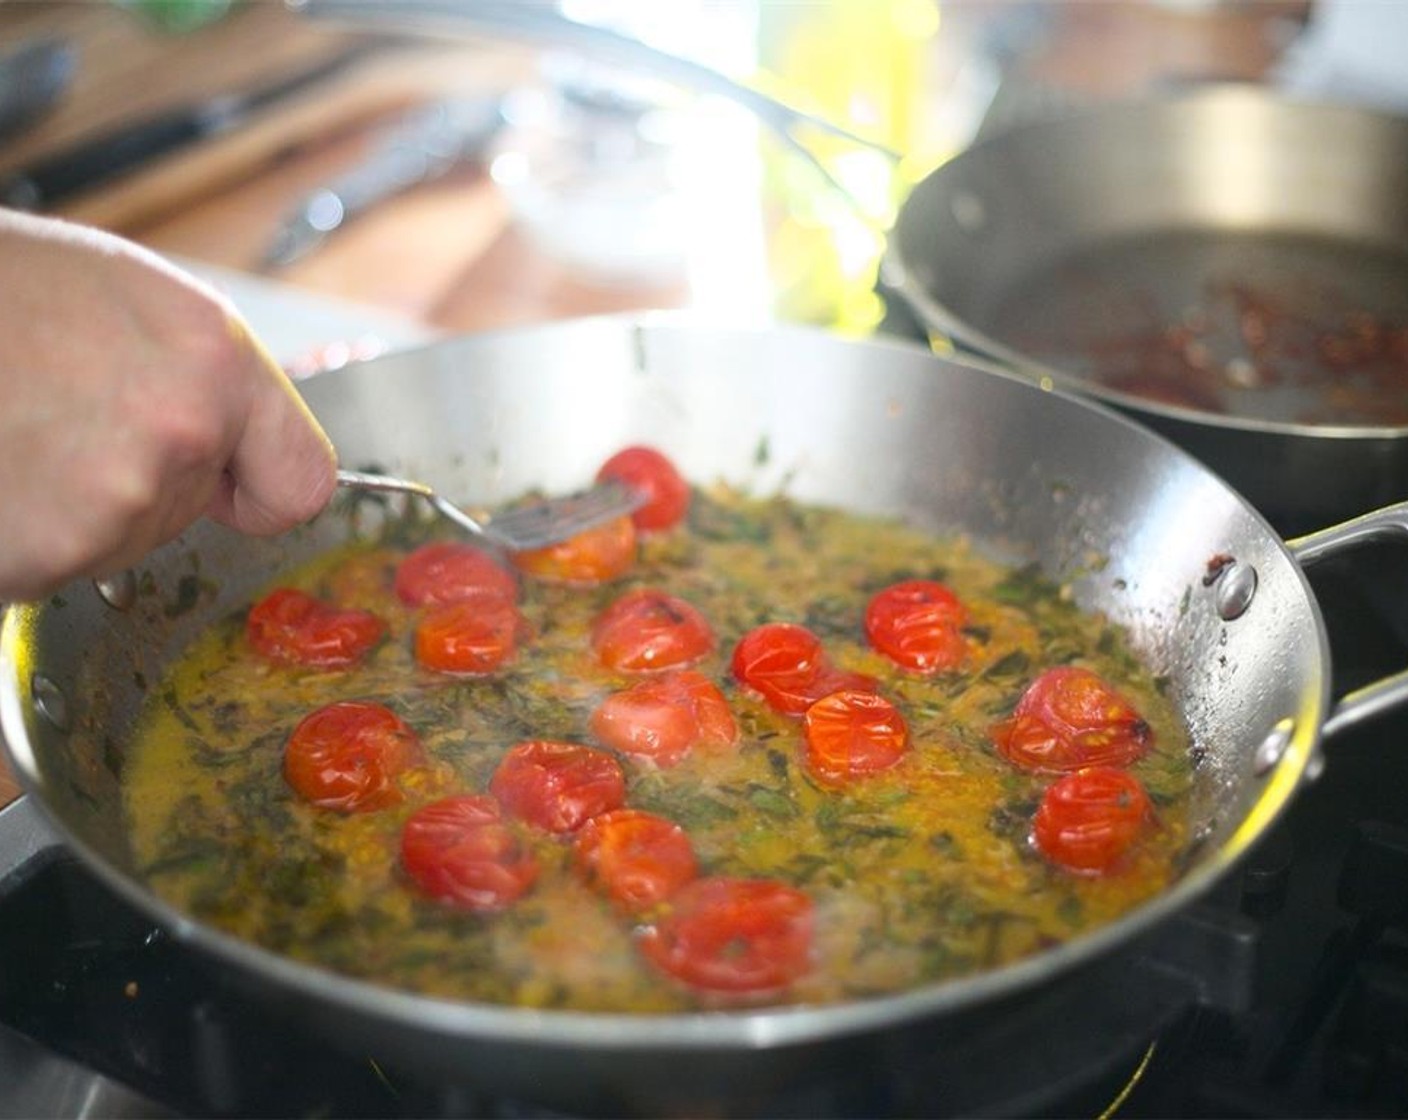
(918, 875)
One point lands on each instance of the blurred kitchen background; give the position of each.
(361, 183)
(441, 166)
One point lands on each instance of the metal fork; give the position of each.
(521, 528)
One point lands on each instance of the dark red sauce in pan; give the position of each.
(1277, 327)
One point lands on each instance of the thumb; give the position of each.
(282, 470)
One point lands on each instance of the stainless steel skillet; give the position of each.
(1229, 265)
(1131, 522)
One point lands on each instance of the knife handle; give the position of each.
(427, 143)
(90, 162)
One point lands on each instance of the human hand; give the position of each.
(133, 399)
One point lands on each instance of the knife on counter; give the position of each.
(33, 76)
(96, 159)
(419, 147)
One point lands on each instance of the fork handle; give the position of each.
(362, 480)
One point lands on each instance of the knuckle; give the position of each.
(206, 338)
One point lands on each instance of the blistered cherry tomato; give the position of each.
(852, 735)
(1068, 719)
(663, 718)
(348, 755)
(646, 629)
(1088, 820)
(557, 786)
(918, 625)
(647, 470)
(470, 636)
(460, 850)
(443, 571)
(635, 858)
(786, 665)
(604, 553)
(733, 936)
(291, 627)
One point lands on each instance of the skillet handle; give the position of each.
(1388, 523)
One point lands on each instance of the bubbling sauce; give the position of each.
(921, 874)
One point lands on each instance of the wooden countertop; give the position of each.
(449, 253)
(445, 253)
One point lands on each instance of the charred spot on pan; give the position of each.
(112, 756)
(1216, 566)
(189, 589)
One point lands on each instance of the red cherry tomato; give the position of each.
(663, 718)
(786, 665)
(741, 936)
(470, 636)
(558, 786)
(1068, 719)
(636, 858)
(444, 571)
(645, 630)
(293, 628)
(647, 470)
(852, 735)
(918, 625)
(604, 553)
(348, 755)
(1088, 820)
(459, 850)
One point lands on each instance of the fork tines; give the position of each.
(536, 524)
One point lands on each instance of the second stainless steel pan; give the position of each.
(1228, 266)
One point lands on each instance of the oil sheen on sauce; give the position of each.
(919, 875)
